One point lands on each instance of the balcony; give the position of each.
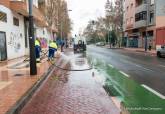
(21, 7)
(141, 23)
(141, 8)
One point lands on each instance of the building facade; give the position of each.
(14, 25)
(142, 18)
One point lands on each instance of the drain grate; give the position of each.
(19, 75)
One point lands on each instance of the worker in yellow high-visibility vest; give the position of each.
(52, 49)
(37, 50)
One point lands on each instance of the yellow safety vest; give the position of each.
(53, 45)
(37, 43)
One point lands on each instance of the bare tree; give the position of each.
(95, 30)
(118, 20)
(56, 15)
(114, 17)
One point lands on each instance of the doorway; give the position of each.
(3, 52)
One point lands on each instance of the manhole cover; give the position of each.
(19, 75)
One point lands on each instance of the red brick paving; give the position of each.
(70, 93)
(12, 88)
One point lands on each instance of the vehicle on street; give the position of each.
(100, 44)
(161, 51)
(79, 44)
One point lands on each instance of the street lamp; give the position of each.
(110, 36)
(33, 67)
(93, 22)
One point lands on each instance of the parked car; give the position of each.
(161, 51)
(100, 44)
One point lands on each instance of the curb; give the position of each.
(151, 53)
(16, 108)
(141, 51)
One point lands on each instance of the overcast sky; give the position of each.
(83, 11)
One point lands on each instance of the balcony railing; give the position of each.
(141, 23)
(141, 8)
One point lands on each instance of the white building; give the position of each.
(12, 34)
(14, 26)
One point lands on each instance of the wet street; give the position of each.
(96, 82)
(143, 68)
(71, 92)
(134, 78)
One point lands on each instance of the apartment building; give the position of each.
(142, 19)
(129, 22)
(14, 24)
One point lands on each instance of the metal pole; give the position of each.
(110, 39)
(146, 37)
(61, 31)
(33, 68)
(95, 37)
(108, 36)
(146, 42)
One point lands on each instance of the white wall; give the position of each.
(46, 34)
(15, 38)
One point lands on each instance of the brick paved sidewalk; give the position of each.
(14, 83)
(70, 93)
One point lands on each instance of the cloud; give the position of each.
(83, 11)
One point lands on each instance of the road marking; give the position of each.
(153, 91)
(124, 74)
(143, 67)
(137, 65)
(110, 65)
(162, 66)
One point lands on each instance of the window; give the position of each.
(3, 16)
(151, 17)
(141, 16)
(15, 21)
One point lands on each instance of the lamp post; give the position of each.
(110, 36)
(33, 68)
(93, 23)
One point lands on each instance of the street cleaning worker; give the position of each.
(37, 50)
(52, 49)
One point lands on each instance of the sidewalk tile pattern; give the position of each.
(70, 93)
(13, 87)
